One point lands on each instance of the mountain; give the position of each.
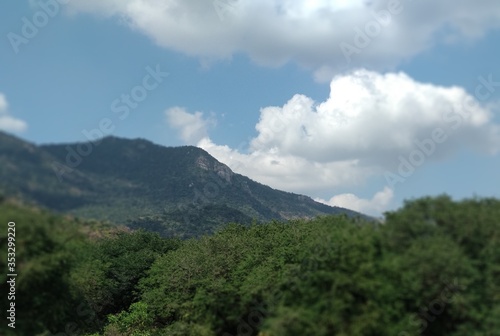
(180, 191)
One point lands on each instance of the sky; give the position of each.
(359, 104)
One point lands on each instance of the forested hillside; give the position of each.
(143, 185)
(431, 268)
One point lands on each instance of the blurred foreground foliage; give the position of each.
(430, 268)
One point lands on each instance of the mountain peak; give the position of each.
(173, 190)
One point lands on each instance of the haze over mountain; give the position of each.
(172, 190)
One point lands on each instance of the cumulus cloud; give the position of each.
(7, 122)
(3, 103)
(373, 118)
(288, 172)
(367, 125)
(192, 127)
(374, 206)
(327, 36)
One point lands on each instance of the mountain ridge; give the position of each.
(173, 190)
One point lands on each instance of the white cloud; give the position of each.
(363, 129)
(3, 103)
(7, 122)
(192, 127)
(308, 32)
(374, 206)
(374, 118)
(288, 172)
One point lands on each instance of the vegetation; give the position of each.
(144, 185)
(48, 248)
(431, 268)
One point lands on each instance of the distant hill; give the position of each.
(180, 191)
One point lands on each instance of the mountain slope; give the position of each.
(173, 190)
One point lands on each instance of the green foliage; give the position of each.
(190, 221)
(67, 280)
(427, 270)
(436, 240)
(177, 192)
(130, 323)
(430, 269)
(109, 276)
(47, 249)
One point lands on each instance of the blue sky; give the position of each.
(324, 98)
